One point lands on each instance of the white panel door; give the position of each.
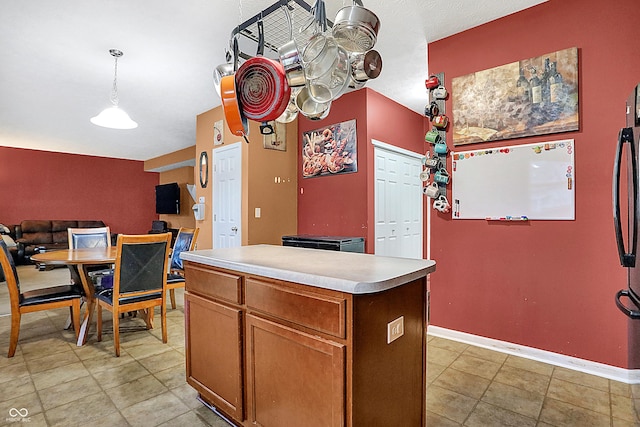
(227, 196)
(398, 204)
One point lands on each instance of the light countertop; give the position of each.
(350, 272)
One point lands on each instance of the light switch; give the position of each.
(257, 213)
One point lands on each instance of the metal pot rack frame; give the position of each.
(276, 26)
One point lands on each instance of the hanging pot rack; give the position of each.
(277, 30)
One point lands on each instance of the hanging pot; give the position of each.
(290, 57)
(311, 109)
(263, 90)
(236, 121)
(319, 55)
(291, 112)
(334, 82)
(366, 66)
(221, 71)
(356, 28)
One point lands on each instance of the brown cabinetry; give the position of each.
(273, 353)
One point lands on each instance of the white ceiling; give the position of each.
(56, 71)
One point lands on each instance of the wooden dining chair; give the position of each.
(35, 300)
(96, 237)
(139, 282)
(185, 241)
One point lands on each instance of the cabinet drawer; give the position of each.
(319, 312)
(213, 283)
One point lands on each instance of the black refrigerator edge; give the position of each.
(625, 209)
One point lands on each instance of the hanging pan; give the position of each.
(356, 28)
(263, 90)
(236, 121)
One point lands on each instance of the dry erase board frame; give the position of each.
(534, 181)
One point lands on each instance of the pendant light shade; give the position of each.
(113, 117)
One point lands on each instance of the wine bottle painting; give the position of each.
(534, 96)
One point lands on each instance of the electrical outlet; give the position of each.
(395, 329)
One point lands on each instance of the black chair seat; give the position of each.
(107, 296)
(51, 294)
(174, 278)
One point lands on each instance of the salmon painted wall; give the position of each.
(342, 204)
(46, 185)
(336, 205)
(545, 284)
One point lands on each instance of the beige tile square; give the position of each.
(514, 399)
(51, 361)
(43, 345)
(59, 375)
(446, 344)
(449, 404)
(435, 420)
(147, 349)
(68, 392)
(120, 375)
(190, 419)
(188, 395)
(621, 389)
(485, 415)
(623, 408)
(29, 401)
(155, 411)
(106, 360)
(16, 388)
(486, 354)
(579, 395)
(441, 356)
(13, 372)
(173, 377)
(473, 365)
(581, 378)
(462, 382)
(136, 391)
(162, 361)
(557, 413)
(523, 379)
(82, 412)
(433, 371)
(529, 365)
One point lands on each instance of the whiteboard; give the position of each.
(529, 181)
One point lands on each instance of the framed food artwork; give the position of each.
(330, 150)
(534, 96)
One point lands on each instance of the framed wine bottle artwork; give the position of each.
(533, 96)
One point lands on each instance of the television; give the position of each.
(168, 198)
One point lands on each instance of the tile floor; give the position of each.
(60, 384)
(472, 386)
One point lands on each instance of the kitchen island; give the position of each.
(284, 336)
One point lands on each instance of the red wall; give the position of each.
(546, 284)
(46, 185)
(342, 205)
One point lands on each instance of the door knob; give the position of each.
(234, 229)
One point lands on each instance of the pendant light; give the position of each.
(113, 117)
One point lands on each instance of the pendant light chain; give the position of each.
(114, 89)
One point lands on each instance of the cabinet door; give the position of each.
(293, 378)
(214, 353)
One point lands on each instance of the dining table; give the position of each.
(81, 259)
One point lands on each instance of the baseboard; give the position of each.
(628, 376)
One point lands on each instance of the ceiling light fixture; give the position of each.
(113, 117)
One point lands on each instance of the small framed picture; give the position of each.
(278, 139)
(218, 133)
